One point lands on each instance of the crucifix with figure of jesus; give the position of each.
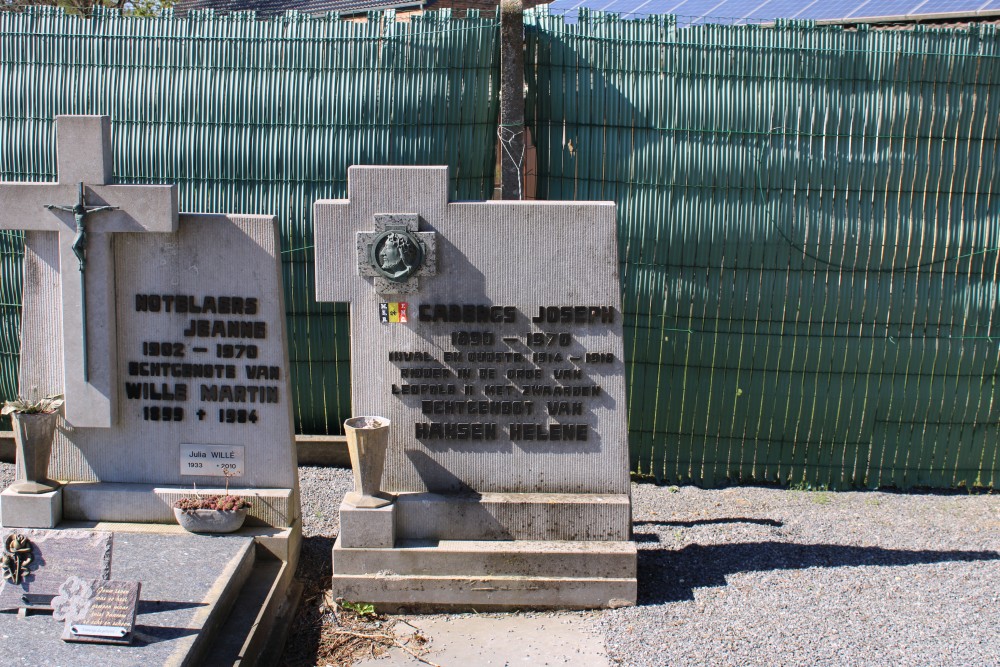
(85, 210)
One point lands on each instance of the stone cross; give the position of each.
(89, 346)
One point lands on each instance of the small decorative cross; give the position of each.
(396, 254)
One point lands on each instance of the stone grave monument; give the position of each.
(166, 334)
(489, 335)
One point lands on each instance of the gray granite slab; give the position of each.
(182, 578)
(54, 556)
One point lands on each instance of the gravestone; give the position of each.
(490, 335)
(190, 310)
(172, 356)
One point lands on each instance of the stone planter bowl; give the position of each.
(210, 521)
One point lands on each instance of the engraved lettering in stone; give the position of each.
(429, 373)
(455, 431)
(184, 303)
(549, 390)
(558, 408)
(225, 329)
(155, 391)
(419, 389)
(466, 313)
(574, 315)
(443, 407)
(577, 432)
(197, 371)
(226, 393)
(263, 372)
(411, 356)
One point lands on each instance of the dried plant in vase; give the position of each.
(34, 423)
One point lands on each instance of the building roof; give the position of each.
(694, 12)
(266, 8)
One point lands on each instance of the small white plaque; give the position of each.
(212, 460)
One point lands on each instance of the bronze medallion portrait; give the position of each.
(396, 254)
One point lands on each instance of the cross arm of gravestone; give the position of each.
(89, 328)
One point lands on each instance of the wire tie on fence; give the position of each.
(290, 250)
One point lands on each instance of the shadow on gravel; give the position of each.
(314, 572)
(671, 576)
(710, 522)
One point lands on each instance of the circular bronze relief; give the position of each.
(396, 254)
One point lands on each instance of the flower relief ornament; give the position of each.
(16, 558)
(74, 600)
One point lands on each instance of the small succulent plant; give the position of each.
(225, 503)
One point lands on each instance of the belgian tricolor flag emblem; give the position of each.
(392, 313)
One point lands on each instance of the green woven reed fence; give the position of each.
(809, 232)
(252, 116)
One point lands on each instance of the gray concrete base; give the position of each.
(503, 639)
(514, 516)
(487, 575)
(367, 526)
(31, 510)
(146, 503)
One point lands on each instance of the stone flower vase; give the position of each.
(367, 441)
(33, 434)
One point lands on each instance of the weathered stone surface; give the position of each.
(367, 527)
(514, 516)
(528, 558)
(34, 510)
(475, 594)
(147, 503)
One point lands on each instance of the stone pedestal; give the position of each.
(495, 551)
(31, 510)
(362, 527)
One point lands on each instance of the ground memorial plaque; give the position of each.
(97, 611)
(36, 563)
(490, 334)
(200, 367)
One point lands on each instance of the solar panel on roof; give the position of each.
(880, 8)
(692, 12)
(779, 9)
(935, 6)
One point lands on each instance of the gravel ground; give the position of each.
(756, 576)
